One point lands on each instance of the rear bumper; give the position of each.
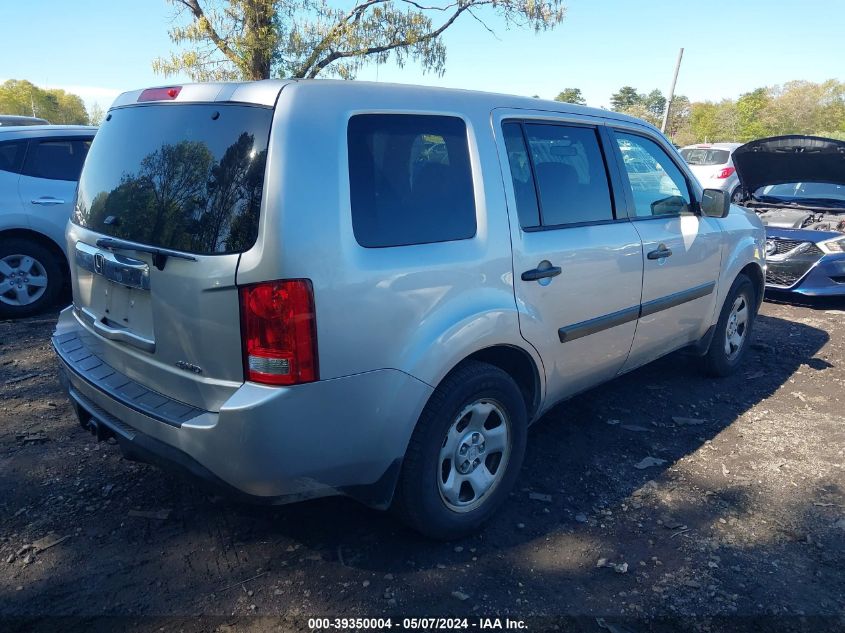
(270, 444)
(825, 278)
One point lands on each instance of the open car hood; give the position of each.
(786, 159)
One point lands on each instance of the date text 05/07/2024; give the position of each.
(413, 624)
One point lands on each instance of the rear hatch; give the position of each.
(169, 197)
(706, 162)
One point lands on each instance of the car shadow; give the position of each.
(584, 460)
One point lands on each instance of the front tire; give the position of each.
(31, 278)
(731, 338)
(465, 453)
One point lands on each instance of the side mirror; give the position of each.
(715, 203)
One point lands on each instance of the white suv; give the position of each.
(39, 168)
(713, 165)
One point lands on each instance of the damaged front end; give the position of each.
(796, 184)
(805, 250)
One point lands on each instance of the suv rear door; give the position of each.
(47, 185)
(577, 259)
(169, 198)
(11, 161)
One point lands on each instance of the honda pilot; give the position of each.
(296, 289)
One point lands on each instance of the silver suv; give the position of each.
(39, 167)
(307, 288)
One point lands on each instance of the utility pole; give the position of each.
(671, 93)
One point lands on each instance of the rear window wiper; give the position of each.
(160, 255)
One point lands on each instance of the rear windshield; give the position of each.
(701, 156)
(186, 177)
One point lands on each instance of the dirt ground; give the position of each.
(739, 523)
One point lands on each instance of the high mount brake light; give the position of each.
(279, 332)
(160, 94)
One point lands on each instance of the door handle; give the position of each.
(535, 274)
(660, 253)
(46, 201)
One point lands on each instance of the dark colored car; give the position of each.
(18, 120)
(797, 186)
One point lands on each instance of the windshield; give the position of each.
(803, 192)
(703, 156)
(186, 177)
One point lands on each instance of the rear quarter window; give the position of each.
(410, 180)
(56, 159)
(11, 156)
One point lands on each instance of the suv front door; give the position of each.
(681, 249)
(577, 259)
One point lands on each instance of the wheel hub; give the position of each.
(732, 325)
(474, 455)
(470, 452)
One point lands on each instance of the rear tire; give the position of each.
(31, 278)
(465, 453)
(731, 339)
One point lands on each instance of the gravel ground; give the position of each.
(739, 522)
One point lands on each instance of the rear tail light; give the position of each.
(727, 172)
(160, 94)
(279, 330)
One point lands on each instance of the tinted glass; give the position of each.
(185, 177)
(410, 179)
(701, 156)
(570, 174)
(59, 159)
(658, 185)
(523, 181)
(11, 156)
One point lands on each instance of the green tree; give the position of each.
(57, 106)
(259, 39)
(679, 117)
(751, 107)
(655, 103)
(625, 98)
(571, 95)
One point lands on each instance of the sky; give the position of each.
(99, 48)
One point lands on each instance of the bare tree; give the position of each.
(259, 39)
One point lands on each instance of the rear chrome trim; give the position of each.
(113, 334)
(81, 362)
(132, 273)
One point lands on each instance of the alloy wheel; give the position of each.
(23, 280)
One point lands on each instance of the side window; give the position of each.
(570, 174)
(658, 185)
(410, 179)
(521, 175)
(59, 159)
(11, 156)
